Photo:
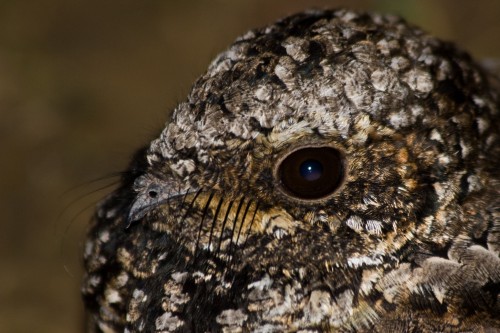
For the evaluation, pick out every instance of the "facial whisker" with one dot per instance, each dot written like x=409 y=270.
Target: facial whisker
x=235 y=222
x=188 y=208
x=223 y=227
x=92 y=181
x=81 y=197
x=247 y=208
x=251 y=224
x=214 y=221
x=66 y=231
x=205 y=211
x=249 y=227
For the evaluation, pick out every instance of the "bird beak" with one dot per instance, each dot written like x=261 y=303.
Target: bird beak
x=152 y=192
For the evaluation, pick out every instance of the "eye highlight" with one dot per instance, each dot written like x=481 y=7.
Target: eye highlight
x=311 y=173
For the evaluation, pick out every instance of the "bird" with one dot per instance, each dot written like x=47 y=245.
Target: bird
x=334 y=171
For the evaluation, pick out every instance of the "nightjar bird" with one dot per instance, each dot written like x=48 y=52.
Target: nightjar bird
x=336 y=171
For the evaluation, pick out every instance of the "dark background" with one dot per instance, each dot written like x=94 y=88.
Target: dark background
x=84 y=83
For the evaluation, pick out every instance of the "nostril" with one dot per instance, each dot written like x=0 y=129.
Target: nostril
x=153 y=194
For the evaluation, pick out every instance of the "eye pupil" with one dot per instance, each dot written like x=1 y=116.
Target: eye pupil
x=311 y=173
x=311 y=170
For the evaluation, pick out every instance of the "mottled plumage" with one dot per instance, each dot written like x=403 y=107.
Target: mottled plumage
x=209 y=231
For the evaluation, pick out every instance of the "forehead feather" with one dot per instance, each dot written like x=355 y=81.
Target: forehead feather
x=323 y=71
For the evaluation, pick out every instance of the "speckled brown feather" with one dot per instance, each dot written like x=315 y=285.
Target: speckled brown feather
x=201 y=237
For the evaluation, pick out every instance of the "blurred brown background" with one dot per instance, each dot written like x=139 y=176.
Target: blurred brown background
x=84 y=83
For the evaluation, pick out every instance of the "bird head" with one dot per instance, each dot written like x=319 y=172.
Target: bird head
x=325 y=140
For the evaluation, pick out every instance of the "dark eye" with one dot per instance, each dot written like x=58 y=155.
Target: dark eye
x=311 y=173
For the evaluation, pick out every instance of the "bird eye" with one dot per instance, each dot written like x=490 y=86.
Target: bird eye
x=311 y=173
